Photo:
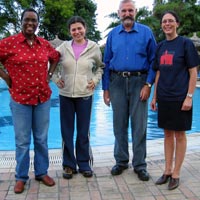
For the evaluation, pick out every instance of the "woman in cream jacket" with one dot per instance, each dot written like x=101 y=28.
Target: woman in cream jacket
x=81 y=70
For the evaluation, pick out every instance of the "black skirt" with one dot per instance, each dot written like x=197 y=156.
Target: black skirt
x=171 y=117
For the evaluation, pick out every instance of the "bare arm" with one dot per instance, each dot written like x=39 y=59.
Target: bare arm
x=5 y=77
x=106 y=97
x=154 y=99
x=187 y=104
x=52 y=68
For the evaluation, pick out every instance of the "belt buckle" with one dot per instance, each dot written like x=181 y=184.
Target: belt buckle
x=126 y=74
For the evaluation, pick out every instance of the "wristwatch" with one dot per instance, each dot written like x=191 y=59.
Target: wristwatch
x=50 y=74
x=189 y=95
x=148 y=84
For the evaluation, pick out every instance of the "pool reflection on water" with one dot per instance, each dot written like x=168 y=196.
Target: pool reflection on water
x=101 y=121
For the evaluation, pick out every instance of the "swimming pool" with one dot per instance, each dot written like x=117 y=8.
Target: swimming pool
x=101 y=122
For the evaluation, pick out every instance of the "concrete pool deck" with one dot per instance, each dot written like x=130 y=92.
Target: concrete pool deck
x=104 y=186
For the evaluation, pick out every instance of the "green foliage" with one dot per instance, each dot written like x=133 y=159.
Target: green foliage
x=10 y=13
x=53 y=17
x=87 y=9
x=115 y=20
x=189 y=14
x=188 y=11
x=1 y=66
x=141 y=16
x=9 y=17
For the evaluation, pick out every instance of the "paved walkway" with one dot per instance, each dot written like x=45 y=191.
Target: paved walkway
x=103 y=186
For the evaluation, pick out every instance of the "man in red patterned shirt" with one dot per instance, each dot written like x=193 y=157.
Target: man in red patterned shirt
x=25 y=57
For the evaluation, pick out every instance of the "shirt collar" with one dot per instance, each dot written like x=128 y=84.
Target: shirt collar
x=22 y=38
x=133 y=29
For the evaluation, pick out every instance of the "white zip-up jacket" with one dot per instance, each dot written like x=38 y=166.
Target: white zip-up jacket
x=77 y=73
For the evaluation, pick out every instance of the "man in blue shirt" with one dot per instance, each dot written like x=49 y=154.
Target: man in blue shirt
x=127 y=80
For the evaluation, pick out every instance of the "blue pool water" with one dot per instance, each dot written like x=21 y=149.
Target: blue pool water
x=101 y=122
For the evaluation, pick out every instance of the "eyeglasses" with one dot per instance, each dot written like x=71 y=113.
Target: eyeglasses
x=170 y=21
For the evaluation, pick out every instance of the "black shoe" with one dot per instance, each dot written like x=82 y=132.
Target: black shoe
x=163 y=179
x=173 y=183
x=142 y=174
x=87 y=174
x=118 y=169
x=68 y=172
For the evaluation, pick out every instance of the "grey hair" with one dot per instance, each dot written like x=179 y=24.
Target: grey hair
x=126 y=1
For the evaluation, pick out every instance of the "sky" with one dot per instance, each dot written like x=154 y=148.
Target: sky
x=105 y=7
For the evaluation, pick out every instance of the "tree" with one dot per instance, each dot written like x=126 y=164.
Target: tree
x=10 y=12
x=189 y=14
x=87 y=9
x=53 y=17
x=143 y=16
x=188 y=11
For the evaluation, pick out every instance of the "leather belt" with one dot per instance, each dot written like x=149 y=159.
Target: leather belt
x=126 y=74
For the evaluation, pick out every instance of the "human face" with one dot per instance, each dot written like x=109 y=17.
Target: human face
x=169 y=26
x=78 y=31
x=29 y=24
x=126 y=13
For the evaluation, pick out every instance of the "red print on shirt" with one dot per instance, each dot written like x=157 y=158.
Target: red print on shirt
x=166 y=58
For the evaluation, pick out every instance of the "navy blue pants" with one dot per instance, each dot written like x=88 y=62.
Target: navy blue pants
x=75 y=111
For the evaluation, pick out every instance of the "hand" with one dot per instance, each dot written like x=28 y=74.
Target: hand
x=8 y=81
x=187 y=104
x=153 y=104
x=60 y=83
x=145 y=93
x=91 y=85
x=106 y=97
x=5 y=76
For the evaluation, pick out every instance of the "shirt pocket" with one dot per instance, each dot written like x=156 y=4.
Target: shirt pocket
x=81 y=82
x=68 y=83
